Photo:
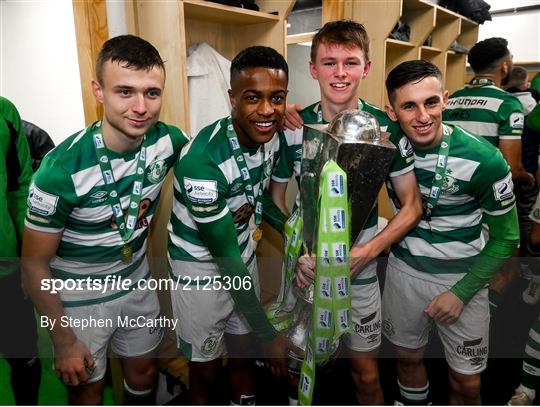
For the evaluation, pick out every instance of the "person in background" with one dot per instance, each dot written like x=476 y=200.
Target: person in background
x=18 y=342
x=39 y=141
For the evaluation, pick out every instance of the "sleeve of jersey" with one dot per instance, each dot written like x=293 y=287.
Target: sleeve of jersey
x=16 y=198
x=179 y=139
x=206 y=202
x=513 y=120
x=51 y=198
x=493 y=182
x=403 y=161
x=503 y=240
x=290 y=155
x=271 y=213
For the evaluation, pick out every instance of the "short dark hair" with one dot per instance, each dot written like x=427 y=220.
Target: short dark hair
x=518 y=77
x=342 y=32
x=486 y=55
x=133 y=51
x=258 y=57
x=410 y=71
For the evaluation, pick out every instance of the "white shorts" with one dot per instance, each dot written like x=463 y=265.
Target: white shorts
x=124 y=325
x=405 y=323
x=366 y=313
x=204 y=315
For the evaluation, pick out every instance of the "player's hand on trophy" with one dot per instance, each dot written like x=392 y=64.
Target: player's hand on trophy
x=276 y=353
x=73 y=362
x=293 y=120
x=305 y=270
x=359 y=256
x=445 y=307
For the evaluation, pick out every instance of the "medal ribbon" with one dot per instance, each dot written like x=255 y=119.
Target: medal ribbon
x=255 y=202
x=440 y=171
x=126 y=227
x=481 y=82
x=320 y=119
x=331 y=313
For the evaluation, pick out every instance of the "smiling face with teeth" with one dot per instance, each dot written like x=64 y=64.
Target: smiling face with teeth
x=258 y=97
x=418 y=106
x=339 y=68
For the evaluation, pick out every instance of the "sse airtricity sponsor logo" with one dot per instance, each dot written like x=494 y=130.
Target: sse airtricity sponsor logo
x=503 y=189
x=325 y=288
x=336 y=185
x=342 y=287
x=339 y=252
x=201 y=191
x=41 y=202
x=337 y=216
x=324 y=318
x=325 y=254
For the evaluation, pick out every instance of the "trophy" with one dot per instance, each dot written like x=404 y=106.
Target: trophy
x=354 y=140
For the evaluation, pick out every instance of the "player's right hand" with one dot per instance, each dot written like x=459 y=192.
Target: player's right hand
x=73 y=363
x=293 y=120
x=305 y=270
x=276 y=353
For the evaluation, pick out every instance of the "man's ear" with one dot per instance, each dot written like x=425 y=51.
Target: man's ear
x=390 y=112
x=367 y=68
x=232 y=99
x=313 y=70
x=97 y=90
x=445 y=99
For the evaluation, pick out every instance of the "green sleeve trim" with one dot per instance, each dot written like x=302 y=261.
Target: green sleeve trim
x=271 y=213
x=503 y=240
x=222 y=242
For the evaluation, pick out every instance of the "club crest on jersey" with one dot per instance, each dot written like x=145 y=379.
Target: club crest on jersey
x=449 y=185
x=338 y=219
x=201 y=191
x=336 y=184
x=209 y=345
x=41 y=202
x=157 y=171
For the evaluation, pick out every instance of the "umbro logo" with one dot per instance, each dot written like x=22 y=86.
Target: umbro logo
x=99 y=194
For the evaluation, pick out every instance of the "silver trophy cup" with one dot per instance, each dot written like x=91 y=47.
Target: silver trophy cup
x=354 y=140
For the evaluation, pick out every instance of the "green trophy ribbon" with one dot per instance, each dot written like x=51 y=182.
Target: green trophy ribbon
x=331 y=314
x=293 y=245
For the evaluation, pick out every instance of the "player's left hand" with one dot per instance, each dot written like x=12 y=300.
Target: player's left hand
x=359 y=256
x=445 y=307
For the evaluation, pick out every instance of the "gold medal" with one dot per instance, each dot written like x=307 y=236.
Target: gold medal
x=127 y=253
x=257 y=234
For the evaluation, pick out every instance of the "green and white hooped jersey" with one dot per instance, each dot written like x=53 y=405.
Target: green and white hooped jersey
x=68 y=195
x=477 y=181
x=487 y=111
x=403 y=160
x=208 y=186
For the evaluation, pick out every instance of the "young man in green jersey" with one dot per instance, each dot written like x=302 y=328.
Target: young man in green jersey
x=437 y=274
x=89 y=208
x=215 y=224
x=339 y=62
